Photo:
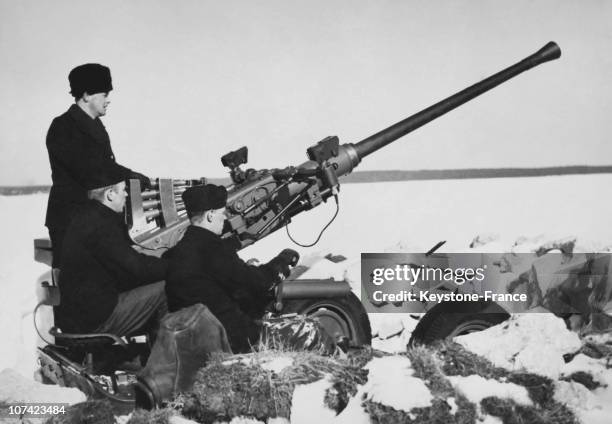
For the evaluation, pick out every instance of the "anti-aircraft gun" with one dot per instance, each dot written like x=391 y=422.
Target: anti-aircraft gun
x=263 y=201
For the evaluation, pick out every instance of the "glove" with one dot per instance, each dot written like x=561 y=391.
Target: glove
x=290 y=256
x=282 y=263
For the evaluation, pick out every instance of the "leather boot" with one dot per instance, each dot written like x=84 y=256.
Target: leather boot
x=185 y=340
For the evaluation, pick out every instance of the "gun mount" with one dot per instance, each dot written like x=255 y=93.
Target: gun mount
x=262 y=201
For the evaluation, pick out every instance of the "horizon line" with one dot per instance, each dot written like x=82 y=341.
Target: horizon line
x=400 y=175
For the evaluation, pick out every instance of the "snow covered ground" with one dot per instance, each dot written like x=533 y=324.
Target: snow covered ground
x=375 y=217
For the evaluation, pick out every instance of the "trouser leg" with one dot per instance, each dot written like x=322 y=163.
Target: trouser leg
x=135 y=309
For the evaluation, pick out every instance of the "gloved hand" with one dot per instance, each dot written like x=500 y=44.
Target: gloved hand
x=290 y=256
x=282 y=263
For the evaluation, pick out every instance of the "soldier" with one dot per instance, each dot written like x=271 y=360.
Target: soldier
x=206 y=269
x=106 y=286
x=78 y=143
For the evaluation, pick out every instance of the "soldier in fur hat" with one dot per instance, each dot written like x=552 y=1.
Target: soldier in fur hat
x=78 y=145
x=204 y=268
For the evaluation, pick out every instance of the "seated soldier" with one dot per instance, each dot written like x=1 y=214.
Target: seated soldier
x=206 y=269
x=105 y=285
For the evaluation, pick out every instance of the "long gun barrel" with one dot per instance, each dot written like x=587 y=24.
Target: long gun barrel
x=262 y=201
x=371 y=144
x=358 y=151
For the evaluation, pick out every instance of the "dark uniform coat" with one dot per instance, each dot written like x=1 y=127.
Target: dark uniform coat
x=206 y=269
x=77 y=145
x=98 y=264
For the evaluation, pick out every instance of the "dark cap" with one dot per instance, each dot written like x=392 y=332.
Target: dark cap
x=91 y=78
x=204 y=198
x=108 y=175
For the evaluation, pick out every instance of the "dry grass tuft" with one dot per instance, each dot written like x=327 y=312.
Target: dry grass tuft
x=89 y=412
x=438 y=413
x=156 y=416
x=511 y=413
x=245 y=388
x=583 y=378
x=428 y=367
x=541 y=389
x=459 y=361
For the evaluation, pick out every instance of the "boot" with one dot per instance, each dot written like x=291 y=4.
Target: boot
x=185 y=341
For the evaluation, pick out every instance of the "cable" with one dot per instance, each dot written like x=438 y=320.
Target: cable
x=36 y=326
x=324 y=228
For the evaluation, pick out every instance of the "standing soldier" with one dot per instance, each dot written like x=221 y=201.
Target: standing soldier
x=78 y=144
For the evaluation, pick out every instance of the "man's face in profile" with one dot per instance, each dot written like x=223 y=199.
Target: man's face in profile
x=117 y=197
x=98 y=103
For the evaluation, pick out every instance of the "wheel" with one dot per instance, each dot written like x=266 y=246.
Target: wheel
x=451 y=319
x=340 y=316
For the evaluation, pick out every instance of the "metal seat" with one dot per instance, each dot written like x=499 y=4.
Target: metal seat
x=82 y=344
x=85 y=340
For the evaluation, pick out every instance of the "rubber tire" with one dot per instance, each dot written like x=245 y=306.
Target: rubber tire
x=346 y=314
x=451 y=319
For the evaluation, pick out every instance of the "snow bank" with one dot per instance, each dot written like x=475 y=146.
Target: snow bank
x=591 y=406
x=22 y=219
x=533 y=342
x=277 y=364
x=416 y=215
x=390 y=373
x=391 y=332
x=475 y=388
x=14 y=388
x=307 y=404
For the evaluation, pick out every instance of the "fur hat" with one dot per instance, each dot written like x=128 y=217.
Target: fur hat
x=203 y=198
x=91 y=78
x=109 y=175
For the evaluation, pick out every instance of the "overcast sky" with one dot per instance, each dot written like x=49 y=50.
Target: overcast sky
x=195 y=79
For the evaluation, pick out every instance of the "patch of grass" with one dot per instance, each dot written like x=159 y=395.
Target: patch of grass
x=446 y=358
x=541 y=389
x=344 y=386
x=456 y=360
x=512 y=413
x=459 y=361
x=438 y=413
x=427 y=367
x=223 y=391
x=583 y=378
x=466 y=410
x=384 y=414
x=597 y=350
x=89 y=412
x=156 y=416
x=361 y=356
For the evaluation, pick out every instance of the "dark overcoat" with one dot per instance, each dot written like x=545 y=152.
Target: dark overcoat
x=206 y=269
x=77 y=145
x=99 y=263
